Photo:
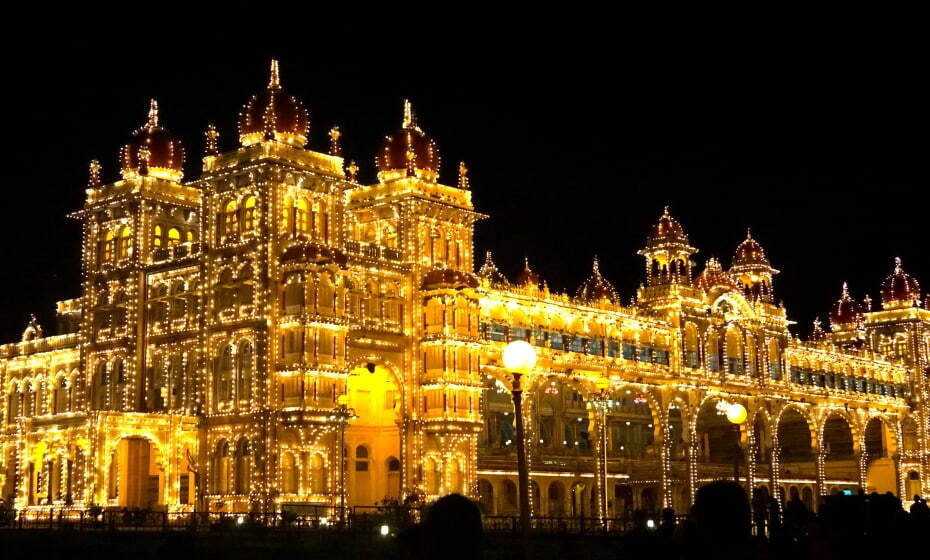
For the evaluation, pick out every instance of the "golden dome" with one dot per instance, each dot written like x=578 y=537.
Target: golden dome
x=491 y=273
x=713 y=276
x=750 y=252
x=527 y=277
x=597 y=288
x=409 y=152
x=846 y=311
x=273 y=114
x=667 y=230
x=900 y=289
x=153 y=151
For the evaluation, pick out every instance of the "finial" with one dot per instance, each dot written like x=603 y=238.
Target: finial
x=274 y=80
x=94 y=179
x=748 y=233
x=211 y=147
x=463 y=175
x=335 y=148
x=144 y=154
x=845 y=290
x=596 y=268
x=897 y=264
x=526 y=264
x=488 y=259
x=153 y=114
x=409 y=118
x=868 y=302
x=352 y=172
x=665 y=211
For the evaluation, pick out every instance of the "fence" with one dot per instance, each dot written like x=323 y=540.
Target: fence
x=320 y=518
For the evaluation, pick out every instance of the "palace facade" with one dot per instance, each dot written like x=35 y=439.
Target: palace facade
x=276 y=335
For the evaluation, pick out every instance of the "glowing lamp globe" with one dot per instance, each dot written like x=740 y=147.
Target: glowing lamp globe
x=342 y=400
x=519 y=357
x=736 y=413
x=602 y=384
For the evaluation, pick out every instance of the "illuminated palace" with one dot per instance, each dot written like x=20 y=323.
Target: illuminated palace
x=236 y=334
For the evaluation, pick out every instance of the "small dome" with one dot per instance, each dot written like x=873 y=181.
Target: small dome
x=153 y=151
x=597 y=288
x=527 y=277
x=409 y=152
x=750 y=252
x=713 y=276
x=273 y=114
x=667 y=230
x=900 y=289
x=491 y=273
x=313 y=253
x=439 y=278
x=846 y=311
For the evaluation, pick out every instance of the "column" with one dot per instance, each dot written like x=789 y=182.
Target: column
x=775 y=469
x=692 y=466
x=599 y=411
x=665 y=464
x=820 y=457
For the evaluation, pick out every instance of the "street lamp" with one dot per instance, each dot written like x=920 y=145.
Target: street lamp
x=343 y=415
x=520 y=358
x=736 y=414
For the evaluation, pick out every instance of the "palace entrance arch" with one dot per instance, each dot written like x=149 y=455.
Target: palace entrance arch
x=135 y=476
x=372 y=439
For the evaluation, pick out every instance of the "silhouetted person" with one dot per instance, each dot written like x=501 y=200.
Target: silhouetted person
x=451 y=530
x=920 y=513
x=722 y=525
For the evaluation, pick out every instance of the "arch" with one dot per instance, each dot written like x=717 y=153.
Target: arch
x=392 y=468
x=561 y=417
x=880 y=445
x=794 y=433
x=691 y=345
x=509 y=497
x=221 y=466
x=243 y=466
x=248 y=214
x=318 y=475
x=289 y=473
x=555 y=497
x=734 y=350
x=230 y=219
x=718 y=439
x=432 y=476
x=136 y=476
x=486 y=496
x=631 y=424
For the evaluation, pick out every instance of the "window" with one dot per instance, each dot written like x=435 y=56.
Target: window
x=248 y=217
x=156 y=236
x=302 y=216
x=124 y=249
x=109 y=246
x=231 y=219
x=361 y=458
x=174 y=237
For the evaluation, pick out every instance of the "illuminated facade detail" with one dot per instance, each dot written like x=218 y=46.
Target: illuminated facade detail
x=227 y=326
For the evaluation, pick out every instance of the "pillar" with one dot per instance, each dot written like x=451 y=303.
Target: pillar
x=820 y=457
x=599 y=411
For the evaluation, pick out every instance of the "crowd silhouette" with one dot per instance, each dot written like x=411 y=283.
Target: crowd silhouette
x=722 y=524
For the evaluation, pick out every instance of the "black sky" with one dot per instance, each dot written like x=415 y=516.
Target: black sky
x=577 y=132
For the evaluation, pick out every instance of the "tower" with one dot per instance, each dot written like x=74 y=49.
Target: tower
x=751 y=269
x=667 y=253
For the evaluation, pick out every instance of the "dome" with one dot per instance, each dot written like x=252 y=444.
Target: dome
x=409 y=152
x=667 y=230
x=273 y=114
x=491 y=273
x=597 y=288
x=750 y=252
x=313 y=253
x=153 y=151
x=846 y=311
x=447 y=278
x=527 y=277
x=713 y=276
x=900 y=289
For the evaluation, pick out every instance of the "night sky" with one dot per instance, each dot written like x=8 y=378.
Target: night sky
x=576 y=133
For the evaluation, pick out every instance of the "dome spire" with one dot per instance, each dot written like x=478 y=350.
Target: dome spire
x=94 y=180
x=410 y=119
x=274 y=78
x=897 y=265
x=153 y=115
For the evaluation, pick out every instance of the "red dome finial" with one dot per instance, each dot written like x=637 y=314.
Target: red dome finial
x=154 y=150
x=153 y=114
x=273 y=114
x=409 y=152
x=900 y=289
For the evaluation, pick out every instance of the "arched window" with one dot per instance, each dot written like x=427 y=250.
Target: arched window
x=287 y=213
x=302 y=216
x=317 y=474
x=288 y=474
x=244 y=372
x=361 y=458
x=231 y=219
x=156 y=236
x=221 y=466
x=734 y=351
x=109 y=246
x=223 y=378
x=61 y=395
x=125 y=242
x=174 y=237
x=248 y=216
x=243 y=466
x=245 y=289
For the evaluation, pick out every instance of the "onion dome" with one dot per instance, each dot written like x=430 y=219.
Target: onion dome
x=713 y=276
x=846 y=311
x=152 y=150
x=750 y=252
x=597 y=288
x=273 y=114
x=667 y=230
x=491 y=273
x=409 y=152
x=527 y=277
x=440 y=278
x=900 y=289
x=307 y=252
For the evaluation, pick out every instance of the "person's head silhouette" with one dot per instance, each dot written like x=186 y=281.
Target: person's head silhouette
x=452 y=529
x=721 y=513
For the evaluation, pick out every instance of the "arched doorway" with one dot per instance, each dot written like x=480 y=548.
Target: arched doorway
x=838 y=449
x=373 y=436
x=879 y=449
x=556 y=499
x=486 y=496
x=137 y=483
x=796 y=455
x=913 y=485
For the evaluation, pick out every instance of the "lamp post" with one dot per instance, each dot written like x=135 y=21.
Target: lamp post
x=736 y=414
x=520 y=358
x=343 y=415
